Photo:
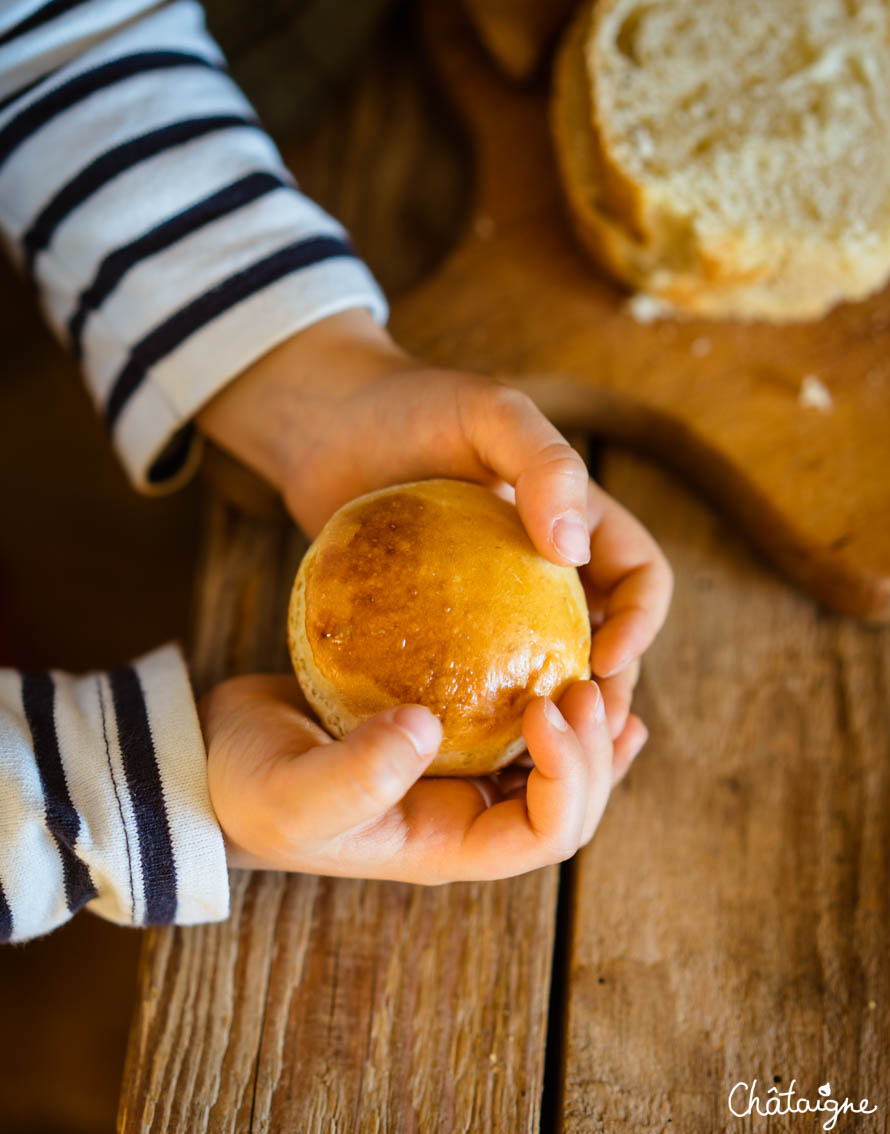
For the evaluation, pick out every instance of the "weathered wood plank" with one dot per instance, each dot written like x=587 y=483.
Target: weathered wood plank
x=331 y=1005
x=732 y=912
x=416 y=1009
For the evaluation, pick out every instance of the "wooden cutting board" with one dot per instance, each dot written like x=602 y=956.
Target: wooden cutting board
x=719 y=401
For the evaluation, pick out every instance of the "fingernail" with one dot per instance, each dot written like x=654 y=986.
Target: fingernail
x=555 y=717
x=421 y=728
x=599 y=709
x=625 y=661
x=642 y=743
x=571 y=538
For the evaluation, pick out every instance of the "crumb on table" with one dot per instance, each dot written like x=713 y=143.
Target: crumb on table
x=814 y=394
x=645 y=308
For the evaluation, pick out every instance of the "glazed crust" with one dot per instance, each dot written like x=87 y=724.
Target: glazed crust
x=431 y=593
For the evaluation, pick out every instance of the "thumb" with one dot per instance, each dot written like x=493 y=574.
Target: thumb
x=514 y=439
x=352 y=781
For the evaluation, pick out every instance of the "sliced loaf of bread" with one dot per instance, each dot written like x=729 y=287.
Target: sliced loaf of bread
x=732 y=160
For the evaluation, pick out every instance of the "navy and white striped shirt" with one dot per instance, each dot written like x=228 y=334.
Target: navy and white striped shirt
x=171 y=249
x=104 y=800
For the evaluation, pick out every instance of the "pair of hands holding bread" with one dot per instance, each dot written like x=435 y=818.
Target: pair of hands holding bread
x=337 y=411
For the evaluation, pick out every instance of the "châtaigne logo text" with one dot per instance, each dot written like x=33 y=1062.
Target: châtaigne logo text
x=745 y=1099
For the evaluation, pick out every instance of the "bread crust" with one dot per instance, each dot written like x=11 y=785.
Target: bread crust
x=624 y=196
x=431 y=593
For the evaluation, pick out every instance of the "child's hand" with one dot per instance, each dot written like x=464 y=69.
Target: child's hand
x=339 y=410
x=289 y=798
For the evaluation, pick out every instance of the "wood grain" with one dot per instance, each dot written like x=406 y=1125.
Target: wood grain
x=717 y=400
x=324 y=1004
x=731 y=914
x=517 y=33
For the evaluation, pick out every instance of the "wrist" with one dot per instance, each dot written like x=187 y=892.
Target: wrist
x=266 y=415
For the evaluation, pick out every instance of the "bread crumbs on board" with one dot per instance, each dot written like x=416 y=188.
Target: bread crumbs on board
x=814 y=394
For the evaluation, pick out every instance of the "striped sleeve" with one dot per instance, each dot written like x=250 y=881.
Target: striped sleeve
x=168 y=242
x=104 y=801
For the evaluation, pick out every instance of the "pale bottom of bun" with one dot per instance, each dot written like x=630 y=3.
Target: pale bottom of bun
x=475 y=763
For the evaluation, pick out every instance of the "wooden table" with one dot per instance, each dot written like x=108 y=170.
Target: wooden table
x=729 y=922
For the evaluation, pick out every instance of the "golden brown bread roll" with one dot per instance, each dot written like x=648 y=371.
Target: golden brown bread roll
x=431 y=593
